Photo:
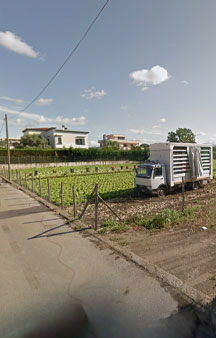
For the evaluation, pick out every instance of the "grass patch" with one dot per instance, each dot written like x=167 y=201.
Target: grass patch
x=114 y=226
x=125 y=243
x=213 y=277
x=114 y=239
x=78 y=227
x=153 y=222
x=165 y=218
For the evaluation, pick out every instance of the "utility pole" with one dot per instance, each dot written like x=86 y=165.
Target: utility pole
x=8 y=148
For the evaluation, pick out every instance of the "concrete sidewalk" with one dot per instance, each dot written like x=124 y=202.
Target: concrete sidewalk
x=41 y=274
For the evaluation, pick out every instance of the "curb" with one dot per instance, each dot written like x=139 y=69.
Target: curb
x=197 y=297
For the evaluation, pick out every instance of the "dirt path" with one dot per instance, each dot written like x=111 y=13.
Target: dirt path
x=184 y=250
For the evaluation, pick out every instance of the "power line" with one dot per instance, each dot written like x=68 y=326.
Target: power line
x=66 y=60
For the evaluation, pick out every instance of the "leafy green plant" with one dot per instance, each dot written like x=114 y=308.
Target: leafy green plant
x=114 y=226
x=111 y=184
x=164 y=218
x=213 y=277
x=124 y=243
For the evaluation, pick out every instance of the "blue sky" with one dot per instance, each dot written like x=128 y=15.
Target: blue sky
x=146 y=67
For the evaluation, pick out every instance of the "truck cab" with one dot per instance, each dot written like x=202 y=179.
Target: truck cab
x=151 y=178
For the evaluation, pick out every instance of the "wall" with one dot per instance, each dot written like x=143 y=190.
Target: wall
x=68 y=140
x=61 y=164
x=31 y=132
x=49 y=133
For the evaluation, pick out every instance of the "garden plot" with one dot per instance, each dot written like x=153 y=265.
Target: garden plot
x=113 y=182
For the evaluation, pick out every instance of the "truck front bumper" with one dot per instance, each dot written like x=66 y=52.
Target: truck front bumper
x=145 y=189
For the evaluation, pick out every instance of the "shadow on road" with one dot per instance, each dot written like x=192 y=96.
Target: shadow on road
x=19 y=212
x=76 y=321
x=47 y=233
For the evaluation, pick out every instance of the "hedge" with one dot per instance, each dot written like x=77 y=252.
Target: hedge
x=32 y=155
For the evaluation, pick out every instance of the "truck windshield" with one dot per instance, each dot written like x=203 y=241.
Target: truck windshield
x=144 y=171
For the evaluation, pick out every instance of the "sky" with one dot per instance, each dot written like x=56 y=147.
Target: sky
x=147 y=67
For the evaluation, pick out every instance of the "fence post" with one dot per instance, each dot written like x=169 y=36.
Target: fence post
x=183 y=195
x=40 y=186
x=74 y=201
x=32 y=183
x=62 y=195
x=17 y=180
x=96 y=207
x=20 y=178
x=26 y=181
x=48 y=186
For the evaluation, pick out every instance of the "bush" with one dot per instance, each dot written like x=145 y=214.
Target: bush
x=114 y=226
x=32 y=155
x=164 y=218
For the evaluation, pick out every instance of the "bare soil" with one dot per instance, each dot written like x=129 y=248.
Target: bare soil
x=185 y=250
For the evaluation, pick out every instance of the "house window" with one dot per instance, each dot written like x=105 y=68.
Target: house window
x=120 y=138
x=125 y=145
x=59 y=140
x=80 y=141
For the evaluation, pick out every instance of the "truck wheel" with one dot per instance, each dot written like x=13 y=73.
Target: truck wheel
x=201 y=184
x=195 y=185
x=161 y=191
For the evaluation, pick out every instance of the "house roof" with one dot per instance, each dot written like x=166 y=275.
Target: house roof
x=39 y=129
x=57 y=130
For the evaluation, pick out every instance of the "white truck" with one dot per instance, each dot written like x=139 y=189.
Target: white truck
x=171 y=163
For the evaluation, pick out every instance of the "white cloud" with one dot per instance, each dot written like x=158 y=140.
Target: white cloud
x=162 y=120
x=143 y=89
x=93 y=94
x=185 y=82
x=201 y=133
x=153 y=76
x=211 y=141
x=94 y=143
x=6 y=98
x=13 y=42
x=147 y=131
x=156 y=126
x=74 y=121
x=44 y=102
x=124 y=107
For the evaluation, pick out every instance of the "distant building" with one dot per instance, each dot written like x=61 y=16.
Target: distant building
x=61 y=138
x=12 y=140
x=120 y=139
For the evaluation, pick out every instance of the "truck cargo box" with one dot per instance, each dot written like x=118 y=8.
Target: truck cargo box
x=188 y=160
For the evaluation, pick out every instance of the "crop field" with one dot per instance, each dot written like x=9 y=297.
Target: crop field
x=65 y=171
x=113 y=182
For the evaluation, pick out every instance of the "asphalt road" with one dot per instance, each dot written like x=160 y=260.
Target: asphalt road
x=41 y=277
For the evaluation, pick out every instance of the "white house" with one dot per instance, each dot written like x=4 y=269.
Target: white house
x=61 y=138
x=120 y=139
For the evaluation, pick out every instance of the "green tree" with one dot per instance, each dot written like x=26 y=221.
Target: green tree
x=144 y=146
x=111 y=144
x=183 y=135
x=33 y=141
x=3 y=143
